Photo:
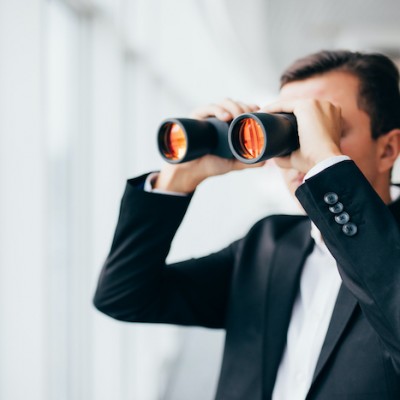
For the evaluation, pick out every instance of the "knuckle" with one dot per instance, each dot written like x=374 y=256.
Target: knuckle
x=310 y=103
x=218 y=108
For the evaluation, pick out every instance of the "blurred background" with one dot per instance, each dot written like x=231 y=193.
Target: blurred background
x=83 y=87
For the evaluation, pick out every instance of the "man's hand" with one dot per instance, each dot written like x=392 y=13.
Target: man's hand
x=185 y=177
x=319 y=128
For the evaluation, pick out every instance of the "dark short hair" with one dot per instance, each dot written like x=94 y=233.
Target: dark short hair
x=379 y=94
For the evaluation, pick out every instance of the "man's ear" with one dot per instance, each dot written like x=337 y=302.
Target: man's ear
x=389 y=149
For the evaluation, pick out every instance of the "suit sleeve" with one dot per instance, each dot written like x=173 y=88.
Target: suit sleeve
x=136 y=285
x=368 y=254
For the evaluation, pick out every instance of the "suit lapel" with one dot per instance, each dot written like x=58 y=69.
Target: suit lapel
x=344 y=308
x=257 y=322
x=283 y=283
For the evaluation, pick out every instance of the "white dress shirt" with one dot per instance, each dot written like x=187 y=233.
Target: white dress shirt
x=319 y=286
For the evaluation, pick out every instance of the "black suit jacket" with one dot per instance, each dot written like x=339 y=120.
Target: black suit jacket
x=249 y=287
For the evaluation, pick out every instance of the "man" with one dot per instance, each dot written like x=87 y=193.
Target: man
x=307 y=315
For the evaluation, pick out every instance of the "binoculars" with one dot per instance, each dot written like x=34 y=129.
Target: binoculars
x=250 y=137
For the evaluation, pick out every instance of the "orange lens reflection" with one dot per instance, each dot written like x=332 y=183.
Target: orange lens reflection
x=250 y=138
x=174 y=143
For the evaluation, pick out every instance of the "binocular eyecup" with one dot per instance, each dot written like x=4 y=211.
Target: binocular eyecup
x=250 y=138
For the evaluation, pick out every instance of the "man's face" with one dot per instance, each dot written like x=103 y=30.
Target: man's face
x=341 y=89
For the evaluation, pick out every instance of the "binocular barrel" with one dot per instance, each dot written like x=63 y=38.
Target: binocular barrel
x=185 y=139
x=250 y=138
x=255 y=137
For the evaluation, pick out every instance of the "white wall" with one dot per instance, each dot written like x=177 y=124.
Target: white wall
x=83 y=87
x=22 y=202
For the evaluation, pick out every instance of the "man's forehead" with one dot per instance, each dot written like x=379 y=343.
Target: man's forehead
x=335 y=86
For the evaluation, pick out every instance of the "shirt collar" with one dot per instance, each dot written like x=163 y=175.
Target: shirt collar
x=394 y=192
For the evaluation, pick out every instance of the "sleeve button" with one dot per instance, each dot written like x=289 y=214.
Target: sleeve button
x=336 y=208
x=342 y=218
x=331 y=198
x=349 y=229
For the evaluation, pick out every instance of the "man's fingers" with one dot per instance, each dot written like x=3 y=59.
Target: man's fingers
x=234 y=107
x=248 y=108
x=227 y=110
x=254 y=107
x=212 y=110
x=279 y=106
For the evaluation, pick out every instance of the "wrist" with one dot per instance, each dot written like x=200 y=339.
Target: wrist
x=324 y=164
x=173 y=179
x=324 y=155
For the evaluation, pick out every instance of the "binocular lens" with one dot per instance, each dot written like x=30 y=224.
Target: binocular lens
x=174 y=144
x=250 y=138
